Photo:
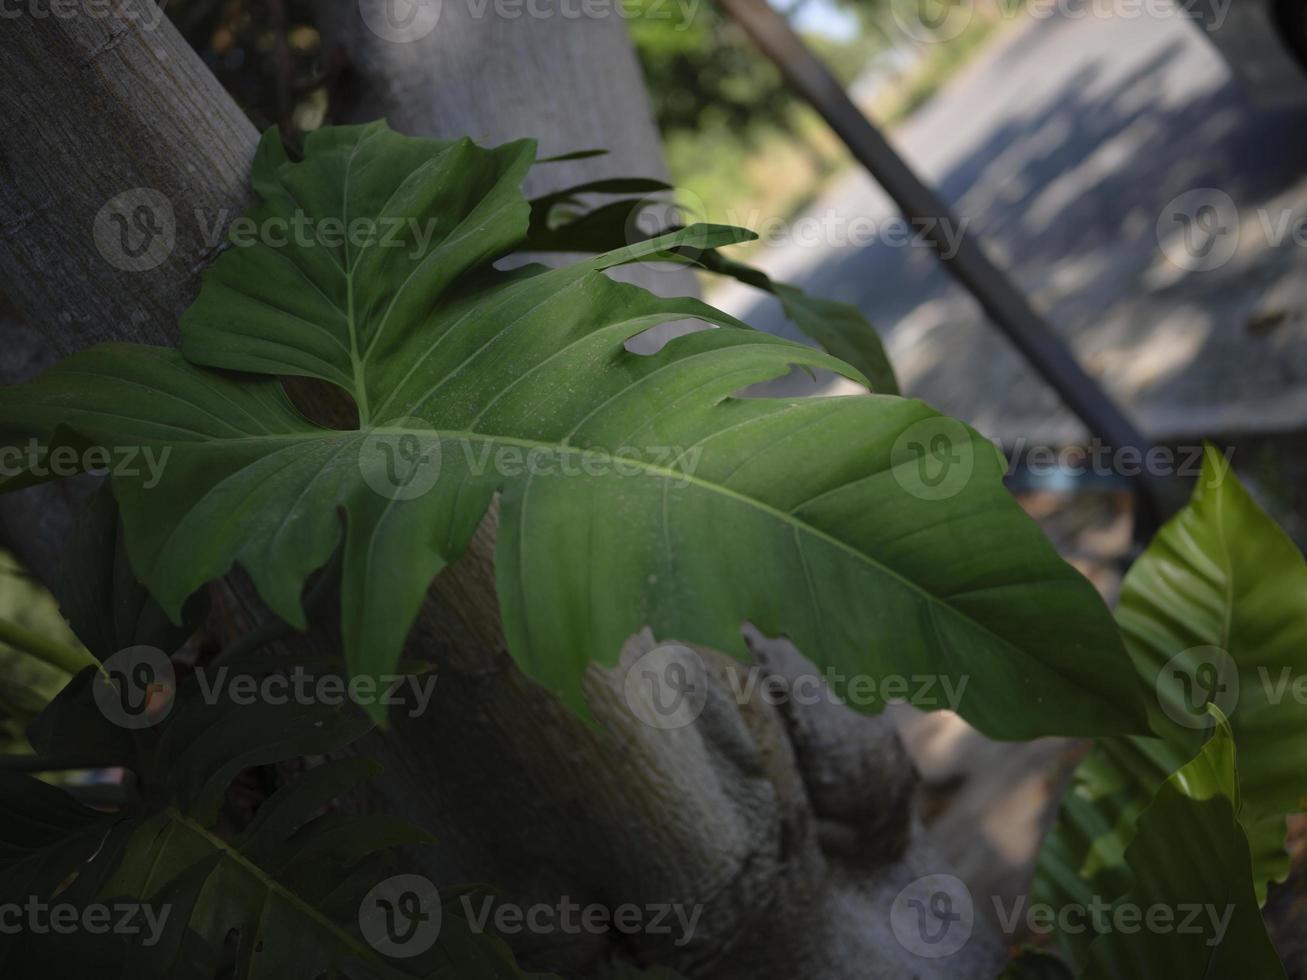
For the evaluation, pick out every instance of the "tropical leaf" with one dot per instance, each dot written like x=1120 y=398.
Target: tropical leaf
x=1192 y=910
x=27 y=683
x=1215 y=609
x=560 y=223
x=100 y=596
x=839 y=328
x=283 y=897
x=633 y=490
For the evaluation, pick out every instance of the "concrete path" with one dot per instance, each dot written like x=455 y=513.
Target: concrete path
x=1083 y=151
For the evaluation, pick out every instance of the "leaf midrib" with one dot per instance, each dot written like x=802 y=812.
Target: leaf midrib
x=660 y=472
x=270 y=884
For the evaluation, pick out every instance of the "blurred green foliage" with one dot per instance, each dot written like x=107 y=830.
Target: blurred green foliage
x=26 y=684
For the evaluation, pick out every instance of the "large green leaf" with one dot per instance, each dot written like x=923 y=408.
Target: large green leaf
x=282 y=898
x=561 y=223
x=99 y=593
x=1190 y=860
x=634 y=490
x=839 y=328
x=1217 y=605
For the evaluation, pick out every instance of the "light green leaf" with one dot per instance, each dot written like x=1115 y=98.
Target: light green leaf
x=1215 y=609
x=1189 y=855
x=633 y=490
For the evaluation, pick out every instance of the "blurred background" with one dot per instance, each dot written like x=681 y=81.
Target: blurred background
x=1137 y=167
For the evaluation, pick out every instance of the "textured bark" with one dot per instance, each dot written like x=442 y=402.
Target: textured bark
x=789 y=826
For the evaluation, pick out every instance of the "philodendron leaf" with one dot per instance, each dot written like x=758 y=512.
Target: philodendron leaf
x=99 y=593
x=295 y=894
x=839 y=328
x=1191 y=911
x=633 y=490
x=1214 y=610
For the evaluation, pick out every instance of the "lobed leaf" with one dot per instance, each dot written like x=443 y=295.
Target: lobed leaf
x=633 y=490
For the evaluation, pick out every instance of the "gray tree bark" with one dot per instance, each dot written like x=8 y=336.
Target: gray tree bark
x=790 y=827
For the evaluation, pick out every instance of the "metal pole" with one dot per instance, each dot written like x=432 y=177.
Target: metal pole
x=1001 y=300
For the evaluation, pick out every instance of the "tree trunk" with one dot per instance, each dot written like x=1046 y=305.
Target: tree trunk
x=789 y=826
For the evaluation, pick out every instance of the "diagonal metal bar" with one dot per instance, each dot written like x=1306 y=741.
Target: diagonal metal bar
x=1001 y=300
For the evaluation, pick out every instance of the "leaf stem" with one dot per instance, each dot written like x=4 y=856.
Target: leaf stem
x=43 y=648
